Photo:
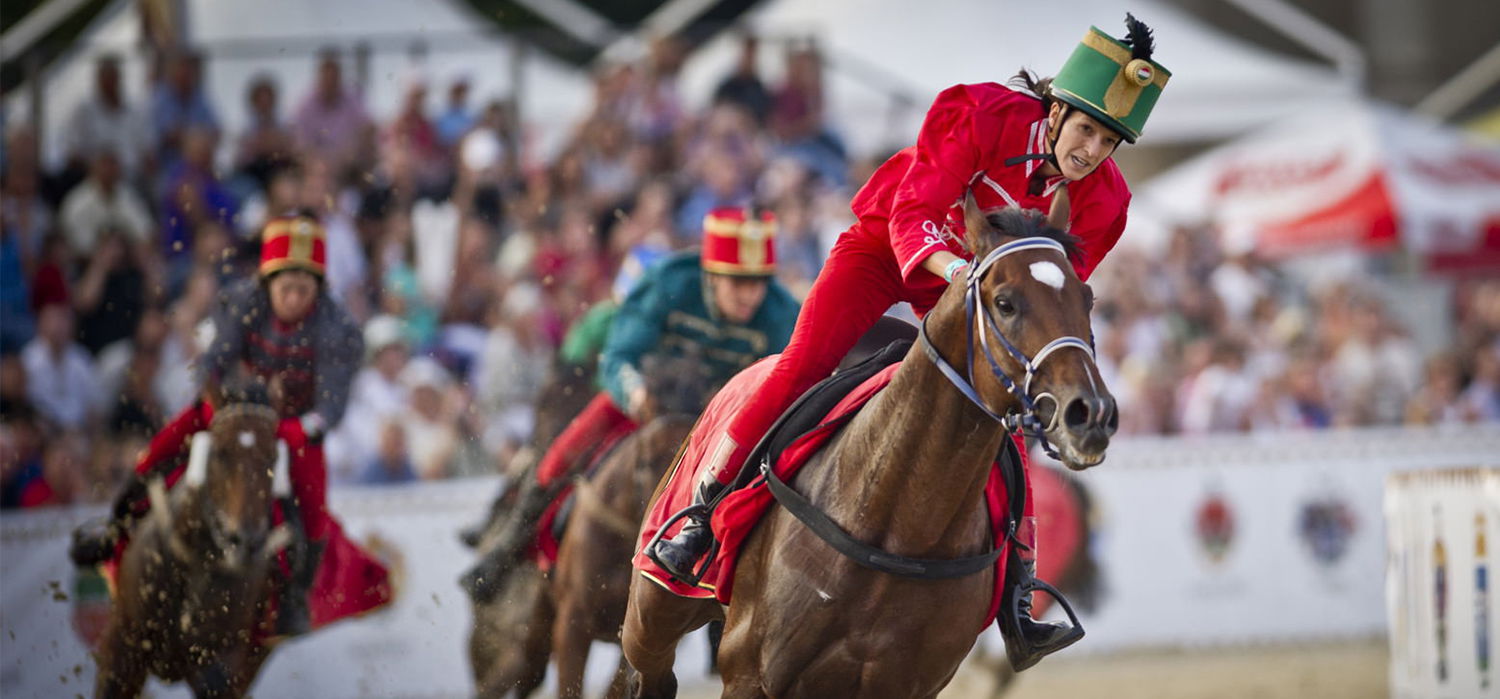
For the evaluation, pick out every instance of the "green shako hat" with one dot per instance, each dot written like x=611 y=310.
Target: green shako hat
x=1113 y=81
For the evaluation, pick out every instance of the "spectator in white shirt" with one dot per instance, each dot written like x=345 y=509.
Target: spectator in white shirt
x=105 y=122
x=377 y=397
x=59 y=375
x=104 y=202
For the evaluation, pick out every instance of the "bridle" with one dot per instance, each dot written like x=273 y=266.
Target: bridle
x=1024 y=419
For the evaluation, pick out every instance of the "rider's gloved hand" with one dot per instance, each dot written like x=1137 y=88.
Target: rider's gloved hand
x=290 y=430
x=314 y=427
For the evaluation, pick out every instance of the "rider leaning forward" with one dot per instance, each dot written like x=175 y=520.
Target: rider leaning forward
x=720 y=304
x=284 y=328
x=1041 y=144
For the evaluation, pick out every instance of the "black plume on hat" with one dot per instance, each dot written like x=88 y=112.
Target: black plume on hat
x=1138 y=37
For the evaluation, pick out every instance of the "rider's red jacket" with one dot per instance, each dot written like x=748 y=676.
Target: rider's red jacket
x=914 y=202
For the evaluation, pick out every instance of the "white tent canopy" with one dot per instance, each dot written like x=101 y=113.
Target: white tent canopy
x=1220 y=87
x=1351 y=175
x=244 y=40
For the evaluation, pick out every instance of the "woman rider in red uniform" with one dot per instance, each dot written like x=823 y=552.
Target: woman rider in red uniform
x=1048 y=147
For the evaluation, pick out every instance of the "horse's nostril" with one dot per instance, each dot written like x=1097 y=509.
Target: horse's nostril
x=1113 y=422
x=1077 y=414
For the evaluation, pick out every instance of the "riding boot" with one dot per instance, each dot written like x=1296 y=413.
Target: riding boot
x=94 y=542
x=487 y=576
x=293 y=617
x=1027 y=641
x=680 y=554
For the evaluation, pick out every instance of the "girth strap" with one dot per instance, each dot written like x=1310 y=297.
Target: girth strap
x=869 y=556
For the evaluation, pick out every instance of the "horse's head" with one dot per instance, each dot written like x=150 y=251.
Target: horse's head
x=1030 y=342
x=231 y=469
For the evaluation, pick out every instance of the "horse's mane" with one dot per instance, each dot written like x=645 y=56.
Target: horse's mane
x=1009 y=223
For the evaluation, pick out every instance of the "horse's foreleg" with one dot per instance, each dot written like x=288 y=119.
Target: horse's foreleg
x=570 y=648
x=617 y=686
x=655 y=621
x=121 y=673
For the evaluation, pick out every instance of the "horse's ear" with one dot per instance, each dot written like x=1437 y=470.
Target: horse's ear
x=976 y=224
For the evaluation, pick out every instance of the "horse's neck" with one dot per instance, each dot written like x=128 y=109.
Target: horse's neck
x=912 y=465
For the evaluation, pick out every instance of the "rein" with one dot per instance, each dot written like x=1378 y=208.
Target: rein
x=1025 y=419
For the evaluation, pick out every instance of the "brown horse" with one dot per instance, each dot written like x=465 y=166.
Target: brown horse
x=195 y=580
x=536 y=615
x=905 y=475
x=591 y=581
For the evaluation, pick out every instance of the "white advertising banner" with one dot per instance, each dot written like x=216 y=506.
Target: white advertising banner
x=1252 y=538
x=1443 y=527
x=1224 y=540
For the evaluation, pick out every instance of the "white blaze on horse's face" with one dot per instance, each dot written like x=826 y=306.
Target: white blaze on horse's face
x=1048 y=273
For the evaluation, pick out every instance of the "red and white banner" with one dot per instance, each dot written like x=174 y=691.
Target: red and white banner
x=1359 y=175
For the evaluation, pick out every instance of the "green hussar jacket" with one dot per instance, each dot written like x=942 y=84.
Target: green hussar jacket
x=669 y=313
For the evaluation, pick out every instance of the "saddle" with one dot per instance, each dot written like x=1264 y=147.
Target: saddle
x=809 y=410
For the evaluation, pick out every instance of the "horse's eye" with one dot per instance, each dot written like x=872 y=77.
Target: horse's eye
x=1004 y=305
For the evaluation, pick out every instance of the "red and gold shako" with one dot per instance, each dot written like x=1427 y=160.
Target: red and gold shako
x=292 y=242
x=739 y=243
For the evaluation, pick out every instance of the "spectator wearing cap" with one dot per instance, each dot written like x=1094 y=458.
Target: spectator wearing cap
x=378 y=395
x=430 y=418
x=511 y=368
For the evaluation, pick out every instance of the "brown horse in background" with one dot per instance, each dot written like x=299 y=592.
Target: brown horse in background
x=539 y=616
x=906 y=475
x=196 y=578
x=591 y=581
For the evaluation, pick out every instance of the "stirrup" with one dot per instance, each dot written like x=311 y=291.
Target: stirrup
x=1023 y=658
x=696 y=574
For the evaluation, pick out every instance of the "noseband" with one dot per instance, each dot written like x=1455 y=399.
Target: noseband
x=1025 y=419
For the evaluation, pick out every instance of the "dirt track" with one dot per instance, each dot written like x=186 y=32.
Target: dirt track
x=1332 y=671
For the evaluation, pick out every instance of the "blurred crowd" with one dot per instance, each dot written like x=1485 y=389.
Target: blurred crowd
x=1210 y=338
x=466 y=257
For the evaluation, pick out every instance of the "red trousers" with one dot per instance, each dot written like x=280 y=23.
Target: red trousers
x=584 y=435
x=309 y=472
x=859 y=282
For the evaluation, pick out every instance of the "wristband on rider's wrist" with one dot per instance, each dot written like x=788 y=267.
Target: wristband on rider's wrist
x=953 y=267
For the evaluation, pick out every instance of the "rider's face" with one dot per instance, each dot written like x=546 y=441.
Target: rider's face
x=738 y=297
x=1082 y=143
x=292 y=295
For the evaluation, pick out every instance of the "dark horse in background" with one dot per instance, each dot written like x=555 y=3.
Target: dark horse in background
x=569 y=388
x=196 y=579
x=906 y=475
x=540 y=616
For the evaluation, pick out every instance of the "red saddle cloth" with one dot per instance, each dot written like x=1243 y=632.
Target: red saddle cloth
x=736 y=516
x=349 y=582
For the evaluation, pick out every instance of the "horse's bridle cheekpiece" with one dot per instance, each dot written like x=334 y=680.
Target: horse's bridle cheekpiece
x=1024 y=419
